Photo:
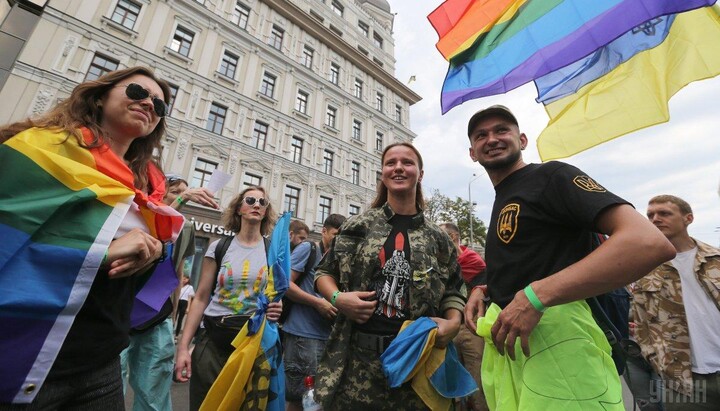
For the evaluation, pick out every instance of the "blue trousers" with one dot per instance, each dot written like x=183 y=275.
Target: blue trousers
x=149 y=362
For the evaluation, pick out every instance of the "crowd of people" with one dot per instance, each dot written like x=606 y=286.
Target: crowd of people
x=93 y=220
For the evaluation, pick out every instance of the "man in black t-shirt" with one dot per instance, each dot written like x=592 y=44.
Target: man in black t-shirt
x=539 y=255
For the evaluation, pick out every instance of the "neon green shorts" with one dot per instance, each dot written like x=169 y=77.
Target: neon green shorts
x=569 y=368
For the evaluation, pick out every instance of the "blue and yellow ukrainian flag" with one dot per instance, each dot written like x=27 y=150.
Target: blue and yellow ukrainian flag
x=254 y=375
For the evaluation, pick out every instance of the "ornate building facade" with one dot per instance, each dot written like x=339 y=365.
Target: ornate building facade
x=298 y=96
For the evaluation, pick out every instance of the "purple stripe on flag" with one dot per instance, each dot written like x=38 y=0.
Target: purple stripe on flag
x=596 y=33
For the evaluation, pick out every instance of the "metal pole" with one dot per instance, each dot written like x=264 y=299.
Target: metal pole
x=470 y=207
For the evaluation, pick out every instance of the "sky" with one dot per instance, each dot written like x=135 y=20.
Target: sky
x=680 y=157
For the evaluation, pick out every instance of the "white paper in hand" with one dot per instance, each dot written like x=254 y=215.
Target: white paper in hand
x=218 y=179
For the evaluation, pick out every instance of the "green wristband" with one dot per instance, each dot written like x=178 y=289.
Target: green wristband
x=105 y=257
x=334 y=297
x=534 y=300
x=180 y=200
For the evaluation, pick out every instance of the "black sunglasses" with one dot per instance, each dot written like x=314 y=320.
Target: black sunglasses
x=249 y=200
x=137 y=92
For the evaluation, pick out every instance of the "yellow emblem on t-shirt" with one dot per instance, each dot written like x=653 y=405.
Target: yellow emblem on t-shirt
x=508 y=222
x=588 y=184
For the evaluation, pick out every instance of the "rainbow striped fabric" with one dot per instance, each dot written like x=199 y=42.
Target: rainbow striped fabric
x=254 y=375
x=60 y=206
x=494 y=46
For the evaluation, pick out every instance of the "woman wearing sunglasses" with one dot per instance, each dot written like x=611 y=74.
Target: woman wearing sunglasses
x=227 y=293
x=83 y=221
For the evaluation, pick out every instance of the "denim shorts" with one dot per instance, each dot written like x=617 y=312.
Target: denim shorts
x=301 y=358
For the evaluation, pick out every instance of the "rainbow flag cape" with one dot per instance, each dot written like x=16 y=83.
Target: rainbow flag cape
x=254 y=375
x=436 y=373
x=60 y=206
x=626 y=85
x=494 y=46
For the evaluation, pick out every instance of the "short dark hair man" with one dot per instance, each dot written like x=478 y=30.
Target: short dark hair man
x=299 y=232
x=308 y=325
x=539 y=255
x=676 y=309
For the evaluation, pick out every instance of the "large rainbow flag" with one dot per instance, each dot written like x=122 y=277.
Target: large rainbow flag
x=253 y=377
x=603 y=68
x=495 y=46
x=60 y=206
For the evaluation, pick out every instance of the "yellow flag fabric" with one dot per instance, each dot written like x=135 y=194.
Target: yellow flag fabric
x=235 y=374
x=636 y=93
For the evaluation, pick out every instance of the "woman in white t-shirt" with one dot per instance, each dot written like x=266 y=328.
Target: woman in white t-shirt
x=227 y=299
x=187 y=292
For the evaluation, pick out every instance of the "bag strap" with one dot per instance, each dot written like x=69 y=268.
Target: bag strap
x=220 y=252
x=310 y=263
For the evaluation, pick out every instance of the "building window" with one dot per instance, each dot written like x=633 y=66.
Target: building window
x=355 y=172
x=378 y=176
x=324 y=207
x=353 y=210
x=337 y=7
x=358 y=88
x=99 y=66
x=241 y=15
x=252 y=180
x=363 y=50
x=357 y=130
x=364 y=28
x=267 y=87
x=379 y=98
x=328 y=162
x=126 y=13
x=276 y=37
x=331 y=117
x=292 y=199
x=379 y=145
x=377 y=40
x=173 y=95
x=301 y=101
x=259 y=135
x=334 y=73
x=377 y=61
x=228 y=65
x=216 y=118
x=398 y=113
x=297 y=147
x=203 y=171
x=307 y=56
x=182 y=40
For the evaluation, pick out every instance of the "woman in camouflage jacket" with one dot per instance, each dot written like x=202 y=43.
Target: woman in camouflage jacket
x=387 y=265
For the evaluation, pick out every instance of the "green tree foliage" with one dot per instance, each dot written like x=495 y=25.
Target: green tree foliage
x=440 y=209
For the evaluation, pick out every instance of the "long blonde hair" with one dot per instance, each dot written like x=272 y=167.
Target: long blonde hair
x=81 y=109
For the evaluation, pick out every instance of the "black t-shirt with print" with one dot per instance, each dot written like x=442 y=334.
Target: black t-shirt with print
x=391 y=282
x=542 y=221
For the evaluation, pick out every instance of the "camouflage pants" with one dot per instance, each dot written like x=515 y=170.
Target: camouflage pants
x=364 y=387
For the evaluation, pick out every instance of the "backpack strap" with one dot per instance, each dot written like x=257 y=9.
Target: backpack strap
x=220 y=252
x=310 y=263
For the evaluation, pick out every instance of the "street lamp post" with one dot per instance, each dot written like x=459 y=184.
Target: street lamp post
x=470 y=209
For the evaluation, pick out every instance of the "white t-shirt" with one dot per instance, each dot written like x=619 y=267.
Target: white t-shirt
x=187 y=292
x=702 y=314
x=243 y=276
